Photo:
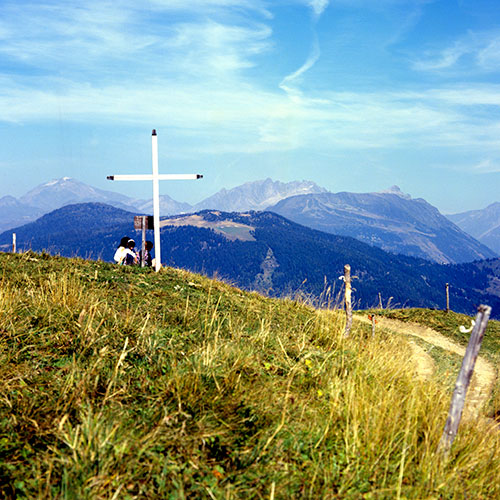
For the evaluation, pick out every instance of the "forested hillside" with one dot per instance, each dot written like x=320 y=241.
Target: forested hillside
x=285 y=259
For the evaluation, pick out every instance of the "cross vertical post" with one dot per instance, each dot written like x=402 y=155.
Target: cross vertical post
x=156 y=178
x=156 y=200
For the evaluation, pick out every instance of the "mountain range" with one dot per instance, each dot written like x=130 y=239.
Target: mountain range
x=390 y=220
x=57 y=193
x=484 y=225
x=265 y=252
x=257 y=195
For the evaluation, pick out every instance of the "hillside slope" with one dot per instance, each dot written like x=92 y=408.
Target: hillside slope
x=263 y=251
x=120 y=382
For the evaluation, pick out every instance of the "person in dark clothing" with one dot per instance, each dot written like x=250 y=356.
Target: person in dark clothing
x=131 y=257
x=146 y=257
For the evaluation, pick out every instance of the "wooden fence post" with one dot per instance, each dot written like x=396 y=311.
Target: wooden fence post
x=143 y=246
x=447 y=297
x=373 y=325
x=14 y=243
x=379 y=300
x=463 y=380
x=348 y=299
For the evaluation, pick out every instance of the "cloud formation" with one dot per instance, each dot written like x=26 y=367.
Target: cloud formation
x=488 y=166
x=478 y=52
x=318 y=6
x=118 y=63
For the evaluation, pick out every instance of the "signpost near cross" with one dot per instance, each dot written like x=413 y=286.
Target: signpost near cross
x=156 y=178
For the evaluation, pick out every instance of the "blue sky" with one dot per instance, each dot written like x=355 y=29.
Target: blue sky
x=356 y=95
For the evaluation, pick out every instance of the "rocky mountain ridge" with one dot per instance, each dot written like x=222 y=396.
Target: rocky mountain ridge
x=390 y=220
x=57 y=193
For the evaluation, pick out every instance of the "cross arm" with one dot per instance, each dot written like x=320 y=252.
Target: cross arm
x=149 y=177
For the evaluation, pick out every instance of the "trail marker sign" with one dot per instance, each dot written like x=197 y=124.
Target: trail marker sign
x=144 y=222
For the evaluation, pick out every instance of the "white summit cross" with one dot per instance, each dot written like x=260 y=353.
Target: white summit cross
x=155 y=177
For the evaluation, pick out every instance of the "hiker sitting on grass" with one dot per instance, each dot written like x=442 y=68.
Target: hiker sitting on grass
x=125 y=254
x=146 y=256
x=120 y=251
x=131 y=258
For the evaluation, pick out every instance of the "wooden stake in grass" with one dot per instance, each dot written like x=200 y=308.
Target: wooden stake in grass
x=13 y=242
x=348 y=299
x=463 y=380
x=447 y=297
x=379 y=300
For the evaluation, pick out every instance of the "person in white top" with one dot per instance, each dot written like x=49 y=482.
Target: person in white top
x=121 y=251
x=125 y=254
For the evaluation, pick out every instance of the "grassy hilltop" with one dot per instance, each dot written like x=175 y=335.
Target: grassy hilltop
x=122 y=383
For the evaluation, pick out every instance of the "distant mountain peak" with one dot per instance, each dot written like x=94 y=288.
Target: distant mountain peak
x=61 y=180
x=482 y=224
x=66 y=190
x=257 y=195
x=397 y=191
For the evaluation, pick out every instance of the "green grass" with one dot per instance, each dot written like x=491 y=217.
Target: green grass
x=118 y=382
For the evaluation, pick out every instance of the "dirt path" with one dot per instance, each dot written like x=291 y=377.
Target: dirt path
x=424 y=364
x=484 y=373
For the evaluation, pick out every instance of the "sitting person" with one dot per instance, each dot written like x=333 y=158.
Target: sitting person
x=146 y=258
x=125 y=254
x=131 y=257
x=121 y=250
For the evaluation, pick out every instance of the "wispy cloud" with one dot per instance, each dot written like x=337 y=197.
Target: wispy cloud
x=214 y=48
x=109 y=63
x=318 y=6
x=105 y=42
x=287 y=84
x=487 y=166
x=250 y=119
x=473 y=52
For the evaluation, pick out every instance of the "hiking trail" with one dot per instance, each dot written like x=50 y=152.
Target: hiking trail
x=484 y=374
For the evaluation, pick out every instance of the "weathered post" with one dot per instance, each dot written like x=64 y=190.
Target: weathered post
x=463 y=380
x=14 y=245
x=143 y=252
x=379 y=300
x=143 y=222
x=348 y=299
x=447 y=297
